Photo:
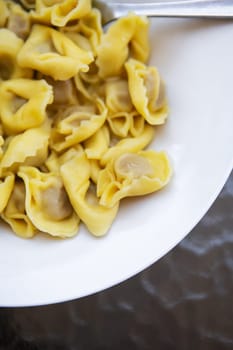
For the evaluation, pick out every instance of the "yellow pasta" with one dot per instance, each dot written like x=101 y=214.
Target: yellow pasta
x=52 y=53
x=147 y=92
x=64 y=92
x=78 y=109
x=137 y=124
x=133 y=174
x=95 y=169
x=9 y=49
x=92 y=77
x=126 y=37
x=77 y=124
x=1 y=146
x=82 y=88
x=6 y=187
x=76 y=174
x=129 y=144
x=28 y=148
x=18 y=21
x=120 y=123
x=23 y=104
x=80 y=40
x=90 y=27
x=59 y=13
x=14 y=213
x=97 y=144
x=4 y=13
x=124 y=124
x=89 y=87
x=117 y=96
x=52 y=164
x=28 y=4
x=47 y=204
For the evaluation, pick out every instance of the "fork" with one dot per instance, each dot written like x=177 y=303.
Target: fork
x=114 y=9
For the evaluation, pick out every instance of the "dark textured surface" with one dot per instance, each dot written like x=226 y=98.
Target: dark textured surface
x=184 y=301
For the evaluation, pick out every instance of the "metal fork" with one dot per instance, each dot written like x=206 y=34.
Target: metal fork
x=113 y=9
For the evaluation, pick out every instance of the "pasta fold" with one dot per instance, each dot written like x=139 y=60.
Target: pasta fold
x=47 y=204
x=9 y=48
x=77 y=124
x=133 y=174
x=6 y=187
x=19 y=21
x=59 y=13
x=4 y=13
x=127 y=37
x=97 y=144
x=28 y=4
x=23 y=104
x=64 y=92
x=137 y=124
x=52 y=53
x=120 y=123
x=15 y=215
x=89 y=86
x=95 y=169
x=128 y=144
x=76 y=177
x=1 y=146
x=147 y=92
x=28 y=148
x=117 y=96
x=88 y=27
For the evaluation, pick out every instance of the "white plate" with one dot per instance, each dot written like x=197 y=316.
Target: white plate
x=195 y=59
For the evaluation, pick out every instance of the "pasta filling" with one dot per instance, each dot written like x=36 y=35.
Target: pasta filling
x=18 y=196
x=55 y=202
x=156 y=98
x=17 y=103
x=6 y=67
x=133 y=165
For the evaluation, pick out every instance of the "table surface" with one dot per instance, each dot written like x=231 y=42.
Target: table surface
x=184 y=301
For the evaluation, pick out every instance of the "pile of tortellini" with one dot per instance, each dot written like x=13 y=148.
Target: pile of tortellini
x=78 y=107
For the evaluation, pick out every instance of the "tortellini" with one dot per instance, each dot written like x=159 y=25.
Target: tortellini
x=89 y=86
x=9 y=49
x=59 y=13
x=117 y=96
x=132 y=174
x=123 y=123
x=116 y=48
x=27 y=148
x=18 y=21
x=76 y=124
x=87 y=32
x=15 y=215
x=23 y=104
x=76 y=174
x=97 y=144
x=147 y=92
x=52 y=53
x=47 y=204
x=129 y=144
x=79 y=107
